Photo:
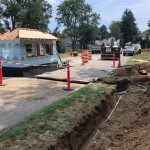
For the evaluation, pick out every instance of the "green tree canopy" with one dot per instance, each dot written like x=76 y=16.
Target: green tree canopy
x=115 y=29
x=26 y=13
x=128 y=26
x=2 y=28
x=59 y=44
x=104 y=32
x=10 y=12
x=36 y=14
x=88 y=34
x=74 y=14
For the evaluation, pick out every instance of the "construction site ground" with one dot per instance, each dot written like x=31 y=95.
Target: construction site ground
x=129 y=126
x=91 y=70
x=126 y=129
x=20 y=97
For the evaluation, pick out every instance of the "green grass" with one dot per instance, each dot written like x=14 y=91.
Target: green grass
x=136 y=58
x=45 y=126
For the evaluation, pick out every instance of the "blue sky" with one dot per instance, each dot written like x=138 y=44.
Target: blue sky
x=110 y=10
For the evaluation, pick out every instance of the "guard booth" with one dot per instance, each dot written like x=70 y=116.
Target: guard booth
x=108 y=51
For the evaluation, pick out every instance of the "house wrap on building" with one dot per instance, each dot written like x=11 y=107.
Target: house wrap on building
x=28 y=46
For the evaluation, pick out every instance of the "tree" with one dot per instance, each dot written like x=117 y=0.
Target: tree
x=104 y=32
x=36 y=14
x=88 y=31
x=59 y=44
x=26 y=13
x=88 y=34
x=128 y=26
x=149 y=24
x=2 y=28
x=147 y=39
x=10 y=12
x=115 y=29
x=65 y=33
x=73 y=14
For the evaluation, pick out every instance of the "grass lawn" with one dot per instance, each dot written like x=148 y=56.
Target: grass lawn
x=145 y=56
x=42 y=129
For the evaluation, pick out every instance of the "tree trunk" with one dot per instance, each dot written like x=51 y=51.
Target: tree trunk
x=13 y=22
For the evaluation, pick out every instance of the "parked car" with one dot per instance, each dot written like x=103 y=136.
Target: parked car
x=131 y=49
x=96 y=49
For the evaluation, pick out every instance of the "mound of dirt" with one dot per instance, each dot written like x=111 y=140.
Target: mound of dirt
x=131 y=70
x=145 y=66
x=128 y=73
x=125 y=72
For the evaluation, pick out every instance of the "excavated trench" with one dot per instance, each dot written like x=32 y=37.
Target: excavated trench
x=128 y=127
x=84 y=130
x=121 y=88
x=85 y=134
x=116 y=121
x=74 y=139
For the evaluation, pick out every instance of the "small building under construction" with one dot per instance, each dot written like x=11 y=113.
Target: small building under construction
x=24 y=51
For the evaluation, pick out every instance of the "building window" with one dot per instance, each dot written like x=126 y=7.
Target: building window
x=29 y=51
x=49 y=49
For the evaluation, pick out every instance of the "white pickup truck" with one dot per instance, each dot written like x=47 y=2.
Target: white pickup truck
x=131 y=49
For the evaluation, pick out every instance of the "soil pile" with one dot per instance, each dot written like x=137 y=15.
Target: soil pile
x=130 y=73
x=145 y=66
x=133 y=71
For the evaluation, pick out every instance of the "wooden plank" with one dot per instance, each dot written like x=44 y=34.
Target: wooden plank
x=3 y=36
x=27 y=34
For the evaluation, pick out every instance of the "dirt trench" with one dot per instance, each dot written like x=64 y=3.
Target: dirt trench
x=87 y=126
x=129 y=126
x=74 y=139
x=127 y=129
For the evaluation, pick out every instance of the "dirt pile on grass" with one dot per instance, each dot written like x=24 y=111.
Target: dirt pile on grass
x=129 y=126
x=126 y=71
x=145 y=66
x=130 y=73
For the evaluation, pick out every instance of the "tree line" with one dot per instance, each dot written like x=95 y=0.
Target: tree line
x=25 y=13
x=79 y=20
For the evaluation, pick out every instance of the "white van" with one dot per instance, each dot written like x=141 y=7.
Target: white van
x=131 y=49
